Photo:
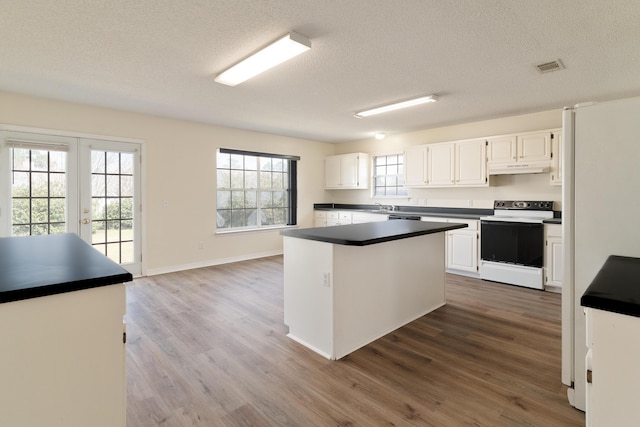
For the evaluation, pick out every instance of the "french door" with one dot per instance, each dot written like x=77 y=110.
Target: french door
x=57 y=184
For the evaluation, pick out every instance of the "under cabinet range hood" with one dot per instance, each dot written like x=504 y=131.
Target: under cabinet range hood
x=518 y=168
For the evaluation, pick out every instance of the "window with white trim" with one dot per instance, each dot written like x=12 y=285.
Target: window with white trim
x=38 y=188
x=255 y=190
x=388 y=176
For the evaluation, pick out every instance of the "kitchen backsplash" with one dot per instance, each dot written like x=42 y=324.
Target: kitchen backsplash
x=502 y=187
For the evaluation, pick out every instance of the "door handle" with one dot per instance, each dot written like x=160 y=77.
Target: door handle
x=85 y=221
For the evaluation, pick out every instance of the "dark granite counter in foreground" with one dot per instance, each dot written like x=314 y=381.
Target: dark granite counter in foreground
x=371 y=232
x=616 y=287
x=37 y=266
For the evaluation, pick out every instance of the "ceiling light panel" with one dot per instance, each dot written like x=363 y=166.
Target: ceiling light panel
x=283 y=49
x=397 y=106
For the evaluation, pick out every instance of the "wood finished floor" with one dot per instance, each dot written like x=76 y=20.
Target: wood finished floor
x=207 y=347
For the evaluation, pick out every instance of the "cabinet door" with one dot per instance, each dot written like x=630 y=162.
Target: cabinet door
x=471 y=163
x=462 y=250
x=320 y=219
x=415 y=166
x=502 y=150
x=441 y=164
x=554 y=264
x=332 y=172
x=349 y=171
x=534 y=147
x=556 y=158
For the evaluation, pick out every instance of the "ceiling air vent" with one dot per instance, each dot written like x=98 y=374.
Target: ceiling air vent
x=548 y=67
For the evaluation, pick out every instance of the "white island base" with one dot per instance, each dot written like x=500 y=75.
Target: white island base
x=338 y=298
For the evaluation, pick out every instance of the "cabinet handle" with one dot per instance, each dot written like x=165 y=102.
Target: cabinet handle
x=589 y=376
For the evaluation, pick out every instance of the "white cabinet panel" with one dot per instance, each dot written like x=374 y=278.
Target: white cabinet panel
x=63 y=359
x=415 y=166
x=319 y=218
x=502 y=149
x=462 y=250
x=534 y=147
x=471 y=163
x=441 y=167
x=553 y=260
x=614 y=351
x=556 y=157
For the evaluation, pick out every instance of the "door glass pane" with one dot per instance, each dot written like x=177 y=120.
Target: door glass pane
x=112 y=200
x=38 y=192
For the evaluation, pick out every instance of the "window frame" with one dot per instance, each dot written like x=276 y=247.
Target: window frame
x=290 y=189
x=399 y=175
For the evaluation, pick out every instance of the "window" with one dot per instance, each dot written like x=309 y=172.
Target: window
x=112 y=190
x=38 y=190
x=388 y=176
x=255 y=190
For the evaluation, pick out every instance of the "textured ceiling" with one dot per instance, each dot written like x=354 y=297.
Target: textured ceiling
x=479 y=56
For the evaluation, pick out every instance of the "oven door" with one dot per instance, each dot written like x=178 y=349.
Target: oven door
x=512 y=242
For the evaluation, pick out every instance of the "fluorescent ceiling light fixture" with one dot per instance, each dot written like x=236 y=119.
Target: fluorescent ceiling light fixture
x=293 y=44
x=379 y=135
x=397 y=106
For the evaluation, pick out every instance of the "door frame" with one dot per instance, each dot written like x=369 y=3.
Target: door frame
x=76 y=215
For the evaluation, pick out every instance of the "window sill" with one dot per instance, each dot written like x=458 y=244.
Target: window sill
x=251 y=230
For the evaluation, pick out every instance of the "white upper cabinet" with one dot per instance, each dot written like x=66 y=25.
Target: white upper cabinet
x=415 y=166
x=471 y=164
x=446 y=164
x=556 y=157
x=346 y=171
x=526 y=147
x=441 y=165
x=522 y=153
x=534 y=147
x=502 y=149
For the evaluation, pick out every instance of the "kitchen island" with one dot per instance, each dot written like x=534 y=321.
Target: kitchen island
x=61 y=326
x=348 y=285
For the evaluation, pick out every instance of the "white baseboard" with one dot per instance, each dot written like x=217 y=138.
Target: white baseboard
x=210 y=263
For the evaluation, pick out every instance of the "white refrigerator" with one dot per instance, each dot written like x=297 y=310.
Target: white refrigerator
x=600 y=213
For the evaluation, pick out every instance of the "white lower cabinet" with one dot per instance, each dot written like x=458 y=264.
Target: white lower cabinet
x=338 y=218
x=461 y=246
x=329 y=218
x=613 y=371
x=553 y=261
x=362 y=217
x=319 y=218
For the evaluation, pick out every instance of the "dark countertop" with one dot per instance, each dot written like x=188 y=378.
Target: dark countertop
x=37 y=266
x=371 y=232
x=462 y=213
x=616 y=287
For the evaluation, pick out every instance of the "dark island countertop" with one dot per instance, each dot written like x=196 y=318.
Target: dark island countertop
x=616 y=287
x=37 y=266
x=370 y=233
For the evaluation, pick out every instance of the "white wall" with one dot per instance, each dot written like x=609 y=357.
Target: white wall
x=180 y=168
x=529 y=186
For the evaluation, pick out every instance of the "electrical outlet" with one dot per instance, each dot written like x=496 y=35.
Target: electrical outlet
x=201 y=245
x=326 y=280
